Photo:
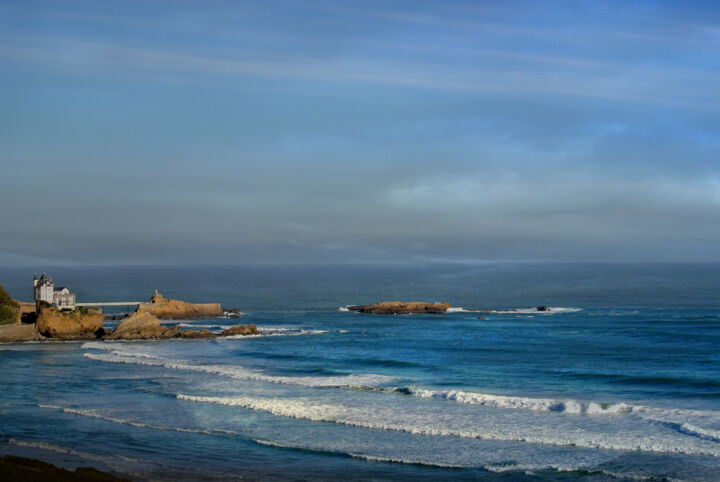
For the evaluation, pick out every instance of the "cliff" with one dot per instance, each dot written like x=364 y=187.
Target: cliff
x=9 y=309
x=401 y=308
x=168 y=309
x=79 y=324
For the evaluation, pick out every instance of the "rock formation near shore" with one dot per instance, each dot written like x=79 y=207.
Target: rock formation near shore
x=143 y=326
x=401 y=308
x=168 y=309
x=198 y=334
x=79 y=324
x=244 y=330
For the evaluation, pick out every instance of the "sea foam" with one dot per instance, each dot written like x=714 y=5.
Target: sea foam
x=550 y=310
x=435 y=425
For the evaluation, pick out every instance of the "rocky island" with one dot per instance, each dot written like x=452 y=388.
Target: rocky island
x=401 y=308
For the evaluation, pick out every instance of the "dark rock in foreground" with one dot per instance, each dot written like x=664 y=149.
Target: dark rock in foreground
x=21 y=468
x=401 y=308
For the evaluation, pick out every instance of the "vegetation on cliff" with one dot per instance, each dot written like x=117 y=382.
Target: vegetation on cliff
x=9 y=308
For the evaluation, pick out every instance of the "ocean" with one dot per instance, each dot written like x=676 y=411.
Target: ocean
x=619 y=380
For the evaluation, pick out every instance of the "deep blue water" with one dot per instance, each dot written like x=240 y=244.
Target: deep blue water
x=621 y=379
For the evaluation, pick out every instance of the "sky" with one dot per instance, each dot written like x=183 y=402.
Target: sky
x=178 y=132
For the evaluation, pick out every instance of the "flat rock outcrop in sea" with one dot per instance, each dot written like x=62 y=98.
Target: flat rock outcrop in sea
x=244 y=330
x=401 y=307
x=165 y=308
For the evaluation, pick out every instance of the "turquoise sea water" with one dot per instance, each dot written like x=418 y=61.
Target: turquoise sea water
x=621 y=379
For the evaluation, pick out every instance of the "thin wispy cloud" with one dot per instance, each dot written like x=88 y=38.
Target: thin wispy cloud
x=338 y=130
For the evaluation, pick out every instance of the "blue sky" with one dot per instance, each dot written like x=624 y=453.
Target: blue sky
x=331 y=131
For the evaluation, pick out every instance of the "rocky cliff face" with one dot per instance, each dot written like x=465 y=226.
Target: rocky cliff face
x=168 y=309
x=401 y=307
x=69 y=325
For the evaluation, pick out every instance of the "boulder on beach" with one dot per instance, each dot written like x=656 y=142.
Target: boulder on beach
x=244 y=330
x=79 y=324
x=168 y=309
x=143 y=326
x=15 y=332
x=401 y=307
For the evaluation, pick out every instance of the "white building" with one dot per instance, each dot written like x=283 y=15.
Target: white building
x=45 y=290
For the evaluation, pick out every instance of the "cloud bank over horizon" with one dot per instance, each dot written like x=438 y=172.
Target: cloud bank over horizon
x=338 y=131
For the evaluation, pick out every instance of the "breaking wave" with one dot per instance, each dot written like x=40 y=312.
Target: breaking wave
x=521 y=403
x=238 y=372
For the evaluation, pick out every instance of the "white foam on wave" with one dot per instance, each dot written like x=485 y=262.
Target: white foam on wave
x=200 y=325
x=373 y=458
x=343 y=308
x=431 y=424
x=522 y=403
x=674 y=418
x=238 y=372
x=550 y=310
x=705 y=433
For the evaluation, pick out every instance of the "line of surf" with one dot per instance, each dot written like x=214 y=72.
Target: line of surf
x=312 y=410
x=238 y=372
